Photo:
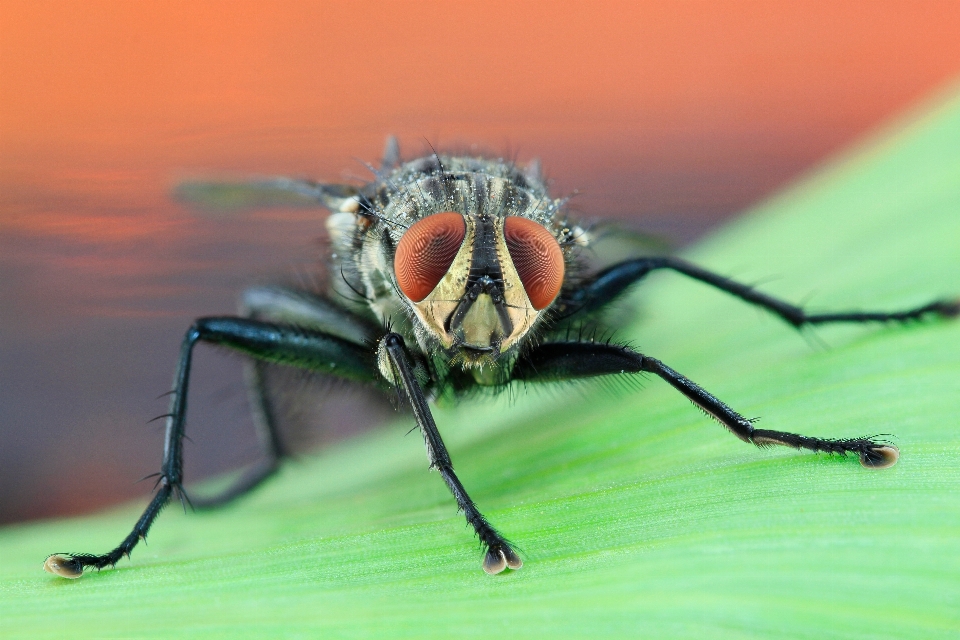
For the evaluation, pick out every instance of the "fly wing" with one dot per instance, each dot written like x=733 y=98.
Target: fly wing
x=227 y=195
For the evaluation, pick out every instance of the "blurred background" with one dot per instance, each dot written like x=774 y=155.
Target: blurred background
x=672 y=116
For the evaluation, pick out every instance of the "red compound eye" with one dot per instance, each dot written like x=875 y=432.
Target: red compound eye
x=426 y=251
x=537 y=258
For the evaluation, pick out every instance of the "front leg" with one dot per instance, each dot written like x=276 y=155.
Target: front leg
x=500 y=554
x=570 y=360
x=606 y=286
x=281 y=344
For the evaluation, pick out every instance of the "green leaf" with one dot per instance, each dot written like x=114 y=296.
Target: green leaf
x=636 y=515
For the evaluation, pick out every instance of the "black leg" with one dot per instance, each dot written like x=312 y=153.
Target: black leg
x=252 y=478
x=270 y=442
x=274 y=343
x=500 y=554
x=611 y=282
x=289 y=307
x=570 y=360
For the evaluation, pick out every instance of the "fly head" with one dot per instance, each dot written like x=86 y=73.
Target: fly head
x=466 y=253
x=478 y=283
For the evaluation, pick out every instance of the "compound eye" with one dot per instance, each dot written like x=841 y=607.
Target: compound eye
x=426 y=251
x=537 y=257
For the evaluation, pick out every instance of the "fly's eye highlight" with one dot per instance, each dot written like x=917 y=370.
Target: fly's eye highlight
x=426 y=251
x=537 y=258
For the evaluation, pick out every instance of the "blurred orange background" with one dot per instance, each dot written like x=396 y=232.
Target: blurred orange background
x=673 y=114
x=720 y=102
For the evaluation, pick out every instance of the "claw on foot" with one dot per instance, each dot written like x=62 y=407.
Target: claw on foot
x=499 y=558
x=880 y=457
x=63 y=566
x=951 y=308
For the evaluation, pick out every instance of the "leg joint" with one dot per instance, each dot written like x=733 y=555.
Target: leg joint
x=393 y=339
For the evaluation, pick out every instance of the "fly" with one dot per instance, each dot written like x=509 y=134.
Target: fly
x=454 y=273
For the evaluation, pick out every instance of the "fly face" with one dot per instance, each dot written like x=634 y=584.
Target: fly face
x=478 y=283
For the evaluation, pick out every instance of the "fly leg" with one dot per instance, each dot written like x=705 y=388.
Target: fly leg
x=270 y=342
x=570 y=360
x=611 y=282
x=297 y=308
x=270 y=442
x=499 y=554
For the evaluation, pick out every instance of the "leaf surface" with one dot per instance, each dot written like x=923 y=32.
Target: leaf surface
x=636 y=515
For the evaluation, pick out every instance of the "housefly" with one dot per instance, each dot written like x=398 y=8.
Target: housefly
x=452 y=273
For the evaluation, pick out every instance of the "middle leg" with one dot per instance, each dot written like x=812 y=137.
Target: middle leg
x=571 y=360
x=295 y=308
x=605 y=286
